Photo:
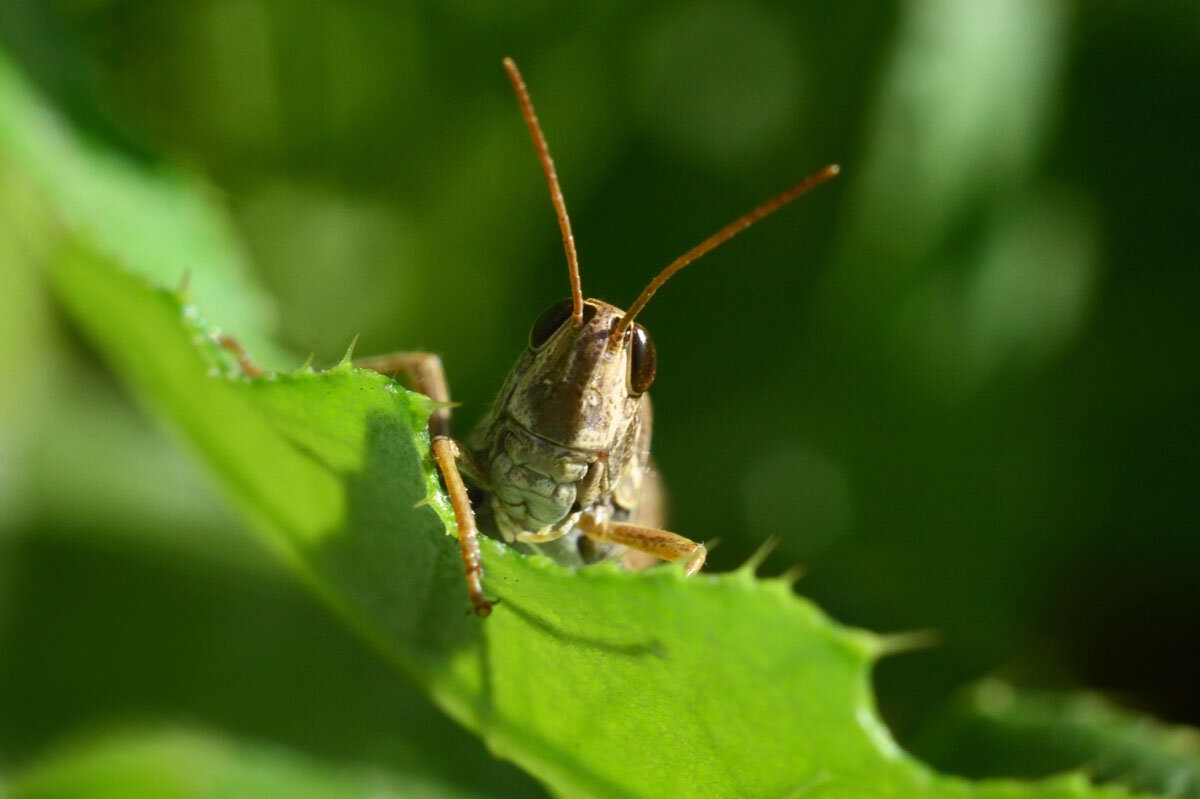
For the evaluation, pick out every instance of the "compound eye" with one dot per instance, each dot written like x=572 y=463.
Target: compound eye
x=549 y=322
x=643 y=361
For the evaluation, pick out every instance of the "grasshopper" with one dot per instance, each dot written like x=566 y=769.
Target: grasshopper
x=563 y=453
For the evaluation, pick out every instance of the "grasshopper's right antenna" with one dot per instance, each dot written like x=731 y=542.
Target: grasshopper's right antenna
x=721 y=236
x=556 y=196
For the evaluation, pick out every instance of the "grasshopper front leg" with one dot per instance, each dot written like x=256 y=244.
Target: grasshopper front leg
x=428 y=377
x=445 y=453
x=661 y=544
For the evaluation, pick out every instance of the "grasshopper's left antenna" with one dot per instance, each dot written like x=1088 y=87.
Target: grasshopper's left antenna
x=556 y=196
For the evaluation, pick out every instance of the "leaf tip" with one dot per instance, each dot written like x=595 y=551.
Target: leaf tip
x=793 y=574
x=184 y=290
x=867 y=644
x=912 y=640
x=755 y=561
x=348 y=358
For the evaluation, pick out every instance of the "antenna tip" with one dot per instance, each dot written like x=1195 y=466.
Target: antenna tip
x=833 y=169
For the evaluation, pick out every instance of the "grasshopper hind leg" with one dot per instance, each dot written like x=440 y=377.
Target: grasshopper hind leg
x=661 y=544
x=651 y=511
x=635 y=534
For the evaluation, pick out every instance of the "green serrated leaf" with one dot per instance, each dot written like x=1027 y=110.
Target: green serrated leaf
x=599 y=682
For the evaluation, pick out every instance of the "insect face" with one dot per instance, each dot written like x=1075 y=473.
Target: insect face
x=580 y=388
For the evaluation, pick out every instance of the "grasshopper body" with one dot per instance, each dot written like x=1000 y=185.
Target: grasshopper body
x=569 y=435
x=563 y=454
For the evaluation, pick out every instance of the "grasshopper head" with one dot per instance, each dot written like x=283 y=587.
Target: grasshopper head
x=589 y=363
x=576 y=385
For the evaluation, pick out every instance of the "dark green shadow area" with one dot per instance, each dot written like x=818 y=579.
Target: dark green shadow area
x=96 y=635
x=391 y=566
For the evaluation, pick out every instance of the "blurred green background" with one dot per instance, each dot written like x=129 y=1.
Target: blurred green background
x=959 y=384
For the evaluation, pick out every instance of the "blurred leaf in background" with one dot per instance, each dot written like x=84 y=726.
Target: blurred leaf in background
x=992 y=728
x=964 y=377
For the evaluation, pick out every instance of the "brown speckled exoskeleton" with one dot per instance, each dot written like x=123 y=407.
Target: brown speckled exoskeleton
x=564 y=452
